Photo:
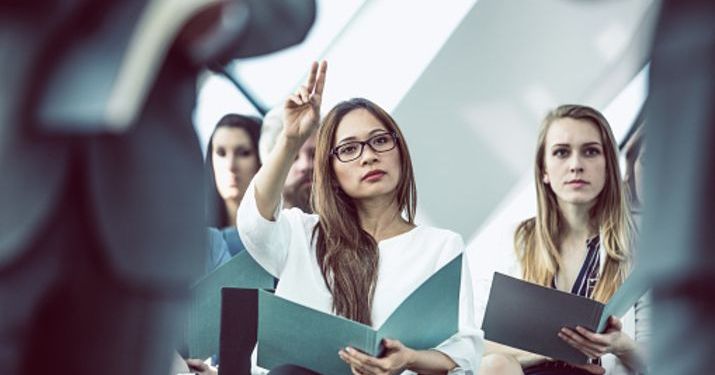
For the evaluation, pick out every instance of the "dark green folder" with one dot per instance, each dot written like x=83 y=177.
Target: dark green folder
x=241 y=271
x=290 y=333
x=529 y=316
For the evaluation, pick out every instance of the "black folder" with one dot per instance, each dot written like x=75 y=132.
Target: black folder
x=239 y=326
x=529 y=316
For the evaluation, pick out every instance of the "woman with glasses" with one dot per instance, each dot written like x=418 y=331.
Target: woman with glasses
x=361 y=254
x=580 y=241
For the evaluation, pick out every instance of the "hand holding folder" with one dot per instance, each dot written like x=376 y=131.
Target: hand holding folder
x=529 y=316
x=290 y=333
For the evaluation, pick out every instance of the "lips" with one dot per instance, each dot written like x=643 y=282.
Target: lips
x=577 y=182
x=373 y=175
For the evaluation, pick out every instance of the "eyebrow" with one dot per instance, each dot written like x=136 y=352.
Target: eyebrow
x=583 y=145
x=373 y=131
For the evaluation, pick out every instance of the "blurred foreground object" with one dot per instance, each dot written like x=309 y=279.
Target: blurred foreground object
x=101 y=201
x=679 y=211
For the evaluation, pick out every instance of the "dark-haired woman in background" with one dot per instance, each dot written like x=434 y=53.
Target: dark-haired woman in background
x=231 y=162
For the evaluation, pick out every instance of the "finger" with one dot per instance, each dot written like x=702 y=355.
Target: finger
x=362 y=357
x=197 y=365
x=320 y=81
x=350 y=359
x=355 y=364
x=589 y=353
x=580 y=344
x=293 y=101
x=593 y=337
x=312 y=75
x=576 y=336
x=357 y=371
x=304 y=94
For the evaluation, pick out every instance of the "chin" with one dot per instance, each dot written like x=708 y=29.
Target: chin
x=578 y=198
x=582 y=200
x=232 y=193
x=376 y=193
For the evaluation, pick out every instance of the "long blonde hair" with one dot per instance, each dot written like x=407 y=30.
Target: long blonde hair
x=536 y=240
x=347 y=255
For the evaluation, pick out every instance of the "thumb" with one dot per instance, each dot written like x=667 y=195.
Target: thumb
x=392 y=344
x=615 y=323
x=196 y=364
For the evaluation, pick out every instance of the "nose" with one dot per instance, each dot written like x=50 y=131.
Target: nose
x=575 y=164
x=233 y=163
x=304 y=164
x=368 y=156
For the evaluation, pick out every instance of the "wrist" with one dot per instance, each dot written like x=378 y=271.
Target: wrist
x=626 y=346
x=411 y=358
x=290 y=144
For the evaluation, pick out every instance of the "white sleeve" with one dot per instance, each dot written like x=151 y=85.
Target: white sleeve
x=643 y=321
x=467 y=346
x=489 y=254
x=269 y=242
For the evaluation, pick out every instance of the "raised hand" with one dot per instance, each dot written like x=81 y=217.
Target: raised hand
x=301 y=113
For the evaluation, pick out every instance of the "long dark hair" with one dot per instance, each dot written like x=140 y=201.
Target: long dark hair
x=215 y=207
x=348 y=256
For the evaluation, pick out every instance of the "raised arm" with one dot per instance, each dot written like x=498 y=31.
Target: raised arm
x=300 y=119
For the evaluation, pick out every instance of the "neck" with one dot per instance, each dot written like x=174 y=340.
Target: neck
x=579 y=225
x=231 y=211
x=380 y=217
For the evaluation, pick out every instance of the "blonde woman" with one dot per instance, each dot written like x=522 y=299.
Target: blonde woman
x=580 y=242
x=361 y=254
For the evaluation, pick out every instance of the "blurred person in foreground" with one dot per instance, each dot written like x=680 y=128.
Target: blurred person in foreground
x=101 y=219
x=677 y=235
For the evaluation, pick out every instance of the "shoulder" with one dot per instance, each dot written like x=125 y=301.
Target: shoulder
x=426 y=232
x=442 y=243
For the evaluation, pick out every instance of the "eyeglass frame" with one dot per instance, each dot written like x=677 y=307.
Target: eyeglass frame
x=334 y=151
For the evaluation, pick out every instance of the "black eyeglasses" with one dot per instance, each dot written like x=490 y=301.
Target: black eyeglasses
x=350 y=151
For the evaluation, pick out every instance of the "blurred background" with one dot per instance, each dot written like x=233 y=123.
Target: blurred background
x=468 y=81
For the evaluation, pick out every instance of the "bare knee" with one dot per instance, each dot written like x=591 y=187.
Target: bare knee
x=493 y=364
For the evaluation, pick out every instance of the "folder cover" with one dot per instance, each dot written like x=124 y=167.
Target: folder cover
x=241 y=271
x=290 y=333
x=529 y=316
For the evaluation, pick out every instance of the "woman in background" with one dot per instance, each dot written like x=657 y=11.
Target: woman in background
x=580 y=241
x=231 y=162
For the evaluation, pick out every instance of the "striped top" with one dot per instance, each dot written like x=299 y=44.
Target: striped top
x=586 y=280
x=588 y=275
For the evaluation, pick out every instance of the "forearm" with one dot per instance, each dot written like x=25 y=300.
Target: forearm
x=524 y=358
x=430 y=362
x=271 y=177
